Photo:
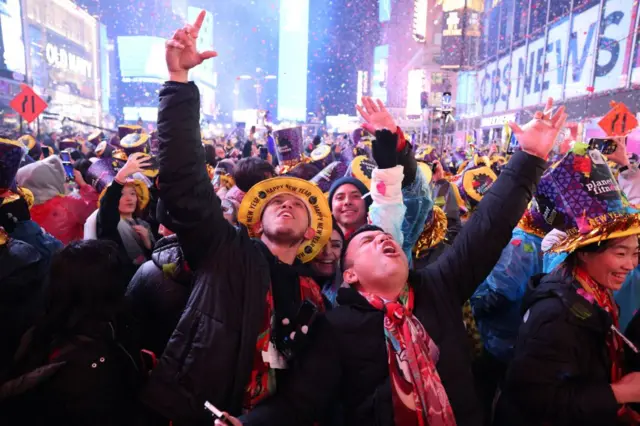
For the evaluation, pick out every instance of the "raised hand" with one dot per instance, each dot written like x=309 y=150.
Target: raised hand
x=376 y=116
x=135 y=163
x=182 y=53
x=538 y=136
x=620 y=156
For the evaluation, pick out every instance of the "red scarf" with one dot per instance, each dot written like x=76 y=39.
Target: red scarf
x=419 y=397
x=604 y=299
x=262 y=382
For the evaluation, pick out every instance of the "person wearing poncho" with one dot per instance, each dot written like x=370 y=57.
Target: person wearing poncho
x=568 y=367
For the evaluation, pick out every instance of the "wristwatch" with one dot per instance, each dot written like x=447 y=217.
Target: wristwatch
x=623 y=169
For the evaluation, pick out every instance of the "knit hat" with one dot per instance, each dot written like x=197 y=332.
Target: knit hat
x=353 y=181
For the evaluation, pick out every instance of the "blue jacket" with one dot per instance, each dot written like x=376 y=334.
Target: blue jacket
x=497 y=301
x=628 y=298
x=31 y=233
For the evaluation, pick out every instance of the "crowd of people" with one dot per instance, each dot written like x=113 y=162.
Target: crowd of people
x=361 y=279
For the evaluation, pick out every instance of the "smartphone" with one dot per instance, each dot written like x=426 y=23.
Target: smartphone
x=217 y=414
x=264 y=153
x=605 y=146
x=66 y=163
x=513 y=145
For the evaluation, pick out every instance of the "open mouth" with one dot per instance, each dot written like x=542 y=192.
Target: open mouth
x=389 y=249
x=286 y=215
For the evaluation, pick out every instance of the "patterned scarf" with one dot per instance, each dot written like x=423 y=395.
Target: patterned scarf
x=604 y=299
x=615 y=346
x=262 y=382
x=419 y=397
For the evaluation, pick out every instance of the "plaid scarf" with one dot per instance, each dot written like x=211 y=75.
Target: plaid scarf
x=419 y=397
x=262 y=381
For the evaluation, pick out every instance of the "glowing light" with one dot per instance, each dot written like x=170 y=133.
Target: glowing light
x=420 y=14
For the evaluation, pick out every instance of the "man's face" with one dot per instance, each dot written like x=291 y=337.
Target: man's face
x=376 y=263
x=286 y=220
x=348 y=207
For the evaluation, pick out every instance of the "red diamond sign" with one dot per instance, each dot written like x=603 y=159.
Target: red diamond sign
x=28 y=104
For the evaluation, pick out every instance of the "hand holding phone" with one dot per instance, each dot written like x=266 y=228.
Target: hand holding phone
x=605 y=146
x=221 y=418
x=68 y=167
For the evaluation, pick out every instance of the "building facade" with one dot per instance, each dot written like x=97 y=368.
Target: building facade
x=582 y=53
x=63 y=59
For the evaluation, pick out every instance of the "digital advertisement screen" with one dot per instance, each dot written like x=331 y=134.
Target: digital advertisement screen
x=59 y=64
x=293 y=55
x=12 y=51
x=380 y=72
x=385 y=10
x=142 y=59
x=145 y=113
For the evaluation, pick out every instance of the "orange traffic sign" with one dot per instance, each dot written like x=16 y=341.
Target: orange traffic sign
x=28 y=104
x=619 y=121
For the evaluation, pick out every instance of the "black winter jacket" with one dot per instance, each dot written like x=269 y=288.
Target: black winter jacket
x=560 y=374
x=158 y=293
x=22 y=277
x=348 y=358
x=210 y=354
x=86 y=379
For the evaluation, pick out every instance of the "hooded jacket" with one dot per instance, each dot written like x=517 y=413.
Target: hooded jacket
x=63 y=216
x=158 y=294
x=560 y=374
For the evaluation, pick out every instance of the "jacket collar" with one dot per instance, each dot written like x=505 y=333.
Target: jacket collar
x=562 y=285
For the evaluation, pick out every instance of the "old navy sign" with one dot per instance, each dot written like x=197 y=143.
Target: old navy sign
x=520 y=79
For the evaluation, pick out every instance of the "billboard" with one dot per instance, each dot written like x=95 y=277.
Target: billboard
x=461 y=32
x=60 y=64
x=293 y=55
x=380 y=72
x=12 y=51
x=142 y=59
x=575 y=60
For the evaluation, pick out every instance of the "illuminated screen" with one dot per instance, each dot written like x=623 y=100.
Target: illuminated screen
x=142 y=59
x=380 y=72
x=294 y=51
x=145 y=113
x=12 y=57
x=385 y=10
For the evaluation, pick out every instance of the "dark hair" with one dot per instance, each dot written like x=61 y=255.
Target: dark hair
x=597 y=247
x=36 y=151
x=86 y=281
x=210 y=155
x=250 y=171
x=82 y=166
x=304 y=171
x=86 y=286
x=364 y=228
x=76 y=155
